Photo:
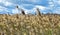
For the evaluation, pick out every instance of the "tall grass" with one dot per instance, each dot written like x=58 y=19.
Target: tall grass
x=29 y=25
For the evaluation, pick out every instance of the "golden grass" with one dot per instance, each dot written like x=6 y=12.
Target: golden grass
x=29 y=25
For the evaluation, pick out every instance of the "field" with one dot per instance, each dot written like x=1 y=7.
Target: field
x=29 y=24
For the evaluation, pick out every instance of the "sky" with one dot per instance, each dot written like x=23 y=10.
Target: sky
x=29 y=6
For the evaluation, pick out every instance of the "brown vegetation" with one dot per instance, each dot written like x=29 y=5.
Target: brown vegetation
x=29 y=24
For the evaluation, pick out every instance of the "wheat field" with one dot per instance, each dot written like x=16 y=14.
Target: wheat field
x=29 y=24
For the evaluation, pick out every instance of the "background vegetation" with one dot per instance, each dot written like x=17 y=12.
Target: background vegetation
x=29 y=24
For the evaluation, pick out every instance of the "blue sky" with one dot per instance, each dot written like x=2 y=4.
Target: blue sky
x=45 y=6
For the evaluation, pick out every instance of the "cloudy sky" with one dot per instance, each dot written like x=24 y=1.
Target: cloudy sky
x=29 y=6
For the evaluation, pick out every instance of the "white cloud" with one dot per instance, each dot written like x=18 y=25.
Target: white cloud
x=57 y=10
x=40 y=7
x=6 y=3
x=33 y=1
x=2 y=1
x=51 y=5
x=33 y=10
x=3 y=9
x=54 y=6
x=14 y=11
x=26 y=5
x=56 y=1
x=19 y=10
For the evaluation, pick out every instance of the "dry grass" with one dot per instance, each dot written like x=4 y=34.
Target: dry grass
x=29 y=25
